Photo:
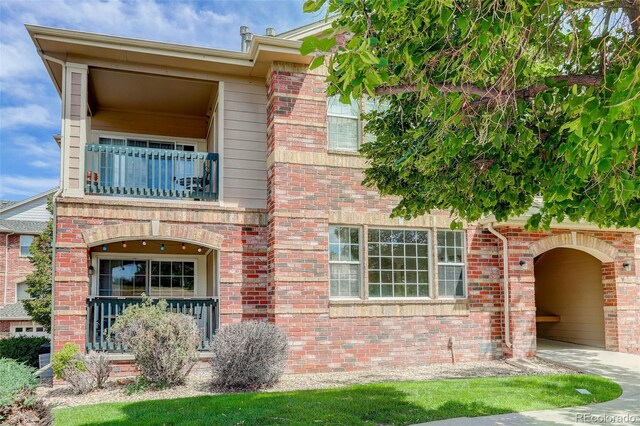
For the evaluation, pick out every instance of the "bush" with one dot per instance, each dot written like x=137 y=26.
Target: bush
x=82 y=372
x=69 y=355
x=18 y=404
x=14 y=379
x=248 y=356
x=22 y=349
x=163 y=343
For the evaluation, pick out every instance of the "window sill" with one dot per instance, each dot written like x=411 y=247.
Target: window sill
x=343 y=152
x=419 y=307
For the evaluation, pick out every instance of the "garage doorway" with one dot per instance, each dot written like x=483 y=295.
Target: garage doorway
x=569 y=297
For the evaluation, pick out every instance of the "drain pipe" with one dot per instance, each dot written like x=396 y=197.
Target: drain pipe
x=505 y=283
x=57 y=193
x=6 y=266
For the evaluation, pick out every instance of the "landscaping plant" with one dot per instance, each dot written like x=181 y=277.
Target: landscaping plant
x=164 y=344
x=23 y=349
x=248 y=355
x=18 y=403
x=68 y=356
x=83 y=372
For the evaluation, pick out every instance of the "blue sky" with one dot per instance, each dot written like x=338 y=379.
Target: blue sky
x=29 y=103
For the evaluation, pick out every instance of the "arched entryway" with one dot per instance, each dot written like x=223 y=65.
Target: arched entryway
x=569 y=297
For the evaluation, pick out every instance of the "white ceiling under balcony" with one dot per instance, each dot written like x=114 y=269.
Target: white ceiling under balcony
x=152 y=93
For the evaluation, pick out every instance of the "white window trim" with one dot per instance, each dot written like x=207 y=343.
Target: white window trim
x=429 y=260
x=463 y=264
x=432 y=259
x=349 y=262
x=196 y=143
x=95 y=279
x=20 y=245
x=358 y=120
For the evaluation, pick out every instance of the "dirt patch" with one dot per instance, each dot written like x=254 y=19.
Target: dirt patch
x=198 y=383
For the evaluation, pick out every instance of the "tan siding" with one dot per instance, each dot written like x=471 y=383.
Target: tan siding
x=569 y=284
x=74 y=128
x=35 y=210
x=245 y=143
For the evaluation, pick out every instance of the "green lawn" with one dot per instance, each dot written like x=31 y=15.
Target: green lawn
x=397 y=403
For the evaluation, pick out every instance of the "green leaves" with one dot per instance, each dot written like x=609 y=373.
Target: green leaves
x=490 y=121
x=313 y=44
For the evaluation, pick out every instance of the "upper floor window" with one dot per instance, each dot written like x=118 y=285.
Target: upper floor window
x=343 y=124
x=21 y=291
x=25 y=245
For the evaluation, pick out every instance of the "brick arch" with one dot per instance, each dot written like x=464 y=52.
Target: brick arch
x=192 y=233
x=597 y=248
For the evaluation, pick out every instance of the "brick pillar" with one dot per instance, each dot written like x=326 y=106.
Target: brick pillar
x=71 y=285
x=522 y=298
x=621 y=312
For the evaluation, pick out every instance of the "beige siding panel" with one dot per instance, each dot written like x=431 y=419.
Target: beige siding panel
x=569 y=284
x=35 y=210
x=245 y=143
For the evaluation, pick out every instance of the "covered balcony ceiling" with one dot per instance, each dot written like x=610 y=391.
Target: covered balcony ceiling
x=118 y=90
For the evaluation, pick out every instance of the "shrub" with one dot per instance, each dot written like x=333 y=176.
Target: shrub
x=248 y=356
x=18 y=404
x=82 y=372
x=98 y=366
x=14 y=379
x=163 y=343
x=22 y=349
x=68 y=355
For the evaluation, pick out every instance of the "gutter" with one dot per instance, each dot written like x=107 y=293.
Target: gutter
x=505 y=283
x=6 y=266
x=55 y=194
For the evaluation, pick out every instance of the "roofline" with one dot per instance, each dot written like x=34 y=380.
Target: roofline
x=522 y=220
x=246 y=59
x=16 y=319
x=27 y=200
x=311 y=29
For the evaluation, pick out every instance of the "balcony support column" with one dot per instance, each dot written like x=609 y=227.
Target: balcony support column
x=75 y=128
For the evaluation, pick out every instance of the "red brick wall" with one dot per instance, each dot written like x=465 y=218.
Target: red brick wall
x=242 y=274
x=18 y=268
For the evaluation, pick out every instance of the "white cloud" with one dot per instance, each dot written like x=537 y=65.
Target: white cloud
x=23 y=186
x=31 y=115
x=39 y=164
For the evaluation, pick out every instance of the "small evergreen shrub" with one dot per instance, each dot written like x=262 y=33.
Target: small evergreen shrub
x=163 y=343
x=248 y=356
x=68 y=356
x=23 y=349
x=18 y=403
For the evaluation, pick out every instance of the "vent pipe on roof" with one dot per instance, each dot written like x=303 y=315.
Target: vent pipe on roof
x=270 y=31
x=245 y=38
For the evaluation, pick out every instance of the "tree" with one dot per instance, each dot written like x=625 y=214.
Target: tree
x=493 y=103
x=39 y=282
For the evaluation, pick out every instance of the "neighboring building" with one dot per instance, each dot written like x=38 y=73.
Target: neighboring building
x=229 y=184
x=20 y=222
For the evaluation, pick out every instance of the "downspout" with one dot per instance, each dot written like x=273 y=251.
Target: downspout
x=505 y=283
x=58 y=192
x=6 y=266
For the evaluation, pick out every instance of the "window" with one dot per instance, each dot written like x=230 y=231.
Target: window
x=344 y=261
x=451 y=264
x=343 y=124
x=25 y=245
x=21 y=291
x=172 y=279
x=398 y=263
x=131 y=278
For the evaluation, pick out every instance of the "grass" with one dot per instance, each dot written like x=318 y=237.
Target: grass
x=397 y=403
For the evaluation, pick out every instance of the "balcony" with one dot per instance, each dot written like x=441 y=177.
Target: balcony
x=102 y=312
x=128 y=171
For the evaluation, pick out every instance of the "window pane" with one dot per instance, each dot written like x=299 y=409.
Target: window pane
x=451 y=268
x=400 y=269
x=25 y=245
x=344 y=261
x=343 y=133
x=335 y=107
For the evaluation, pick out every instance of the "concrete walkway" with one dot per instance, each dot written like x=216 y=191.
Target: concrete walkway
x=622 y=368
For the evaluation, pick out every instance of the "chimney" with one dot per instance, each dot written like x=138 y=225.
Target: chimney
x=245 y=38
x=270 y=31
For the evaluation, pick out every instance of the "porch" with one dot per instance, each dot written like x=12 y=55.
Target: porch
x=122 y=273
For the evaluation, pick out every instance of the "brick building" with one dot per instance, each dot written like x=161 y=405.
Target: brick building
x=227 y=183
x=20 y=222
